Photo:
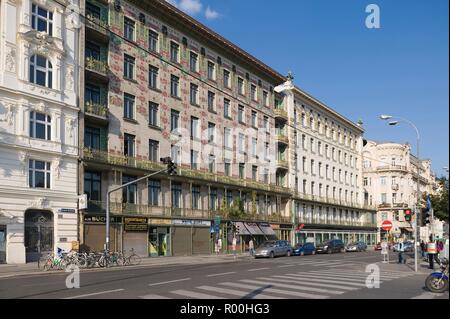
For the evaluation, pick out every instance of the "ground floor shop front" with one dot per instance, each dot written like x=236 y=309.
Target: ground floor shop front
x=318 y=236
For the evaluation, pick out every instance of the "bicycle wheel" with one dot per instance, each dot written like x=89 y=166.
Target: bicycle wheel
x=134 y=260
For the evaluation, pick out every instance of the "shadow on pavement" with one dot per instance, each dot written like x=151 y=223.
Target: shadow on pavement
x=256 y=292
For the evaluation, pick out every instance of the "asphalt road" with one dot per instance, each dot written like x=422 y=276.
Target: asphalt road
x=308 y=277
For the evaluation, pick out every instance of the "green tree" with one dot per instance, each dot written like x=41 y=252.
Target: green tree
x=253 y=208
x=237 y=208
x=439 y=200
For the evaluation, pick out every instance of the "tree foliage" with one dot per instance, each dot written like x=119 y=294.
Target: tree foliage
x=439 y=200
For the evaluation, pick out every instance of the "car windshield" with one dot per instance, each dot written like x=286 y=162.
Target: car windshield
x=352 y=244
x=299 y=245
x=268 y=244
x=326 y=243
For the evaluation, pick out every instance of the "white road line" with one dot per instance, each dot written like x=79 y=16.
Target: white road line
x=193 y=294
x=222 y=274
x=298 y=294
x=289 y=281
x=286 y=266
x=273 y=290
x=387 y=273
x=169 y=282
x=283 y=292
x=153 y=297
x=238 y=293
x=354 y=275
x=257 y=269
x=95 y=294
x=321 y=279
x=324 y=276
x=262 y=281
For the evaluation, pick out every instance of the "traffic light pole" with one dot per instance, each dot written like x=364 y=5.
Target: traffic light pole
x=108 y=195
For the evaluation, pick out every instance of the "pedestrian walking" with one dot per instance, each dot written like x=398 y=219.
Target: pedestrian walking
x=251 y=247
x=401 y=250
x=423 y=248
x=233 y=247
x=219 y=245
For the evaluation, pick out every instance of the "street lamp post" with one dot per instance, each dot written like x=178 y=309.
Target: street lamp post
x=393 y=123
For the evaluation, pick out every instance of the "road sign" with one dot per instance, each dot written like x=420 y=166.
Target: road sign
x=386 y=225
x=217 y=220
x=217 y=228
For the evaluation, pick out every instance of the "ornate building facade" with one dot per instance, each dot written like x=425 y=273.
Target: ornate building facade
x=39 y=47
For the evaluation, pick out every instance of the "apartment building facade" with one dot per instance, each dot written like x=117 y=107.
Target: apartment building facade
x=390 y=183
x=38 y=128
x=158 y=83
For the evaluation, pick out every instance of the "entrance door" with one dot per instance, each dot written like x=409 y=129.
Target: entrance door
x=2 y=244
x=38 y=234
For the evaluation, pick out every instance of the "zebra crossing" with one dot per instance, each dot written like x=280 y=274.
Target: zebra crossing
x=314 y=284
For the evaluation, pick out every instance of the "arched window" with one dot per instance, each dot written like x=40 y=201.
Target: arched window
x=41 y=71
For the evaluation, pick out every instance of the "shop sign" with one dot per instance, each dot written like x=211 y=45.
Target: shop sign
x=286 y=226
x=135 y=220
x=160 y=222
x=204 y=223
x=135 y=227
x=100 y=219
x=67 y=210
x=274 y=226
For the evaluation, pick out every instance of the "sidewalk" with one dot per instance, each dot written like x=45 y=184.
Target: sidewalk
x=7 y=270
x=422 y=266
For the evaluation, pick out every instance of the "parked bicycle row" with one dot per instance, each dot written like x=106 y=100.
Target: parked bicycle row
x=102 y=259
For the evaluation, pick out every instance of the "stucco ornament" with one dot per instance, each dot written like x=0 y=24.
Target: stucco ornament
x=9 y=115
x=69 y=77
x=58 y=165
x=73 y=16
x=10 y=60
x=23 y=161
x=287 y=86
x=39 y=203
x=70 y=123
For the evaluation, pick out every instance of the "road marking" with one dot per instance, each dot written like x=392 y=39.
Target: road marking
x=222 y=274
x=387 y=273
x=427 y=295
x=298 y=294
x=193 y=294
x=319 y=276
x=318 y=279
x=262 y=281
x=153 y=297
x=354 y=275
x=282 y=279
x=239 y=293
x=256 y=269
x=94 y=294
x=273 y=290
x=169 y=282
x=283 y=292
x=287 y=266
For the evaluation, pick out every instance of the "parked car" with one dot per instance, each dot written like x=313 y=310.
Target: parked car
x=331 y=246
x=304 y=249
x=377 y=247
x=274 y=248
x=408 y=246
x=357 y=246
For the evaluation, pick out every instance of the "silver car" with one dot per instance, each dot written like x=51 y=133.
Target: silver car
x=274 y=248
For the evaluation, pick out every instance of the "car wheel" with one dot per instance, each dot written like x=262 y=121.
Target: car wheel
x=302 y=253
x=288 y=254
x=313 y=252
x=271 y=255
x=342 y=250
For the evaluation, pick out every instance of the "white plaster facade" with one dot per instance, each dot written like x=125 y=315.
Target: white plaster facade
x=18 y=98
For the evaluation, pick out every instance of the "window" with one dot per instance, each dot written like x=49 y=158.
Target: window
x=41 y=71
x=41 y=19
x=383 y=198
x=312 y=145
x=227 y=168
x=153 y=150
x=241 y=89
x=226 y=79
x=254 y=144
x=128 y=67
x=193 y=62
x=92 y=51
x=211 y=71
x=254 y=172
x=128 y=108
x=319 y=147
x=129 y=27
x=194 y=94
x=365 y=181
x=265 y=98
x=92 y=185
x=313 y=169
x=254 y=119
x=175 y=153
x=154 y=192
x=213 y=199
x=304 y=186
x=305 y=169
x=174 y=120
x=266 y=176
x=254 y=93
x=194 y=159
x=266 y=123
x=195 y=128
x=320 y=169
x=227 y=138
x=383 y=180
x=92 y=10
x=241 y=170
x=129 y=143
x=241 y=114
x=304 y=141
x=211 y=101
x=153 y=114
x=174 y=85
x=153 y=38
x=40 y=126
x=212 y=163
x=39 y=174
x=211 y=132
x=327 y=171
x=174 y=52
x=266 y=151
x=153 y=77
x=241 y=143
x=92 y=94
x=92 y=138
x=176 y=195
x=195 y=197
x=129 y=193
x=226 y=108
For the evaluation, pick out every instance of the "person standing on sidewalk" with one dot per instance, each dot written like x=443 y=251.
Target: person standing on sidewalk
x=423 y=248
x=251 y=247
x=233 y=247
x=401 y=249
x=219 y=245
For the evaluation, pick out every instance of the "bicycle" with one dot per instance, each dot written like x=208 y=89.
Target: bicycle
x=133 y=259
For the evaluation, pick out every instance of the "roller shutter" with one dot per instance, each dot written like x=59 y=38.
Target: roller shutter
x=181 y=241
x=200 y=241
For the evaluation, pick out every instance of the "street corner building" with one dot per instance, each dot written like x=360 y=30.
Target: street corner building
x=38 y=129
x=257 y=157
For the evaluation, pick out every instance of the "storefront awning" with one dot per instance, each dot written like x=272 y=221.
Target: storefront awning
x=266 y=229
x=241 y=229
x=408 y=229
x=253 y=228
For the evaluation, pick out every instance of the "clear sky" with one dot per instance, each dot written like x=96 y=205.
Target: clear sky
x=400 y=69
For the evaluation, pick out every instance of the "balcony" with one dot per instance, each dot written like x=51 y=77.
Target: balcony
x=280 y=137
x=331 y=201
x=387 y=168
x=98 y=28
x=97 y=112
x=392 y=206
x=280 y=114
x=282 y=163
x=97 y=69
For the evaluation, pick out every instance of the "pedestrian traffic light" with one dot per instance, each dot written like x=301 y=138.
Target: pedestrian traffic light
x=171 y=166
x=408 y=215
x=426 y=216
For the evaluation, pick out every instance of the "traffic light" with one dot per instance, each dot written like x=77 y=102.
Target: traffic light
x=171 y=166
x=408 y=215
x=426 y=216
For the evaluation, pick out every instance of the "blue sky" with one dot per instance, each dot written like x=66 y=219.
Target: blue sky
x=399 y=69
